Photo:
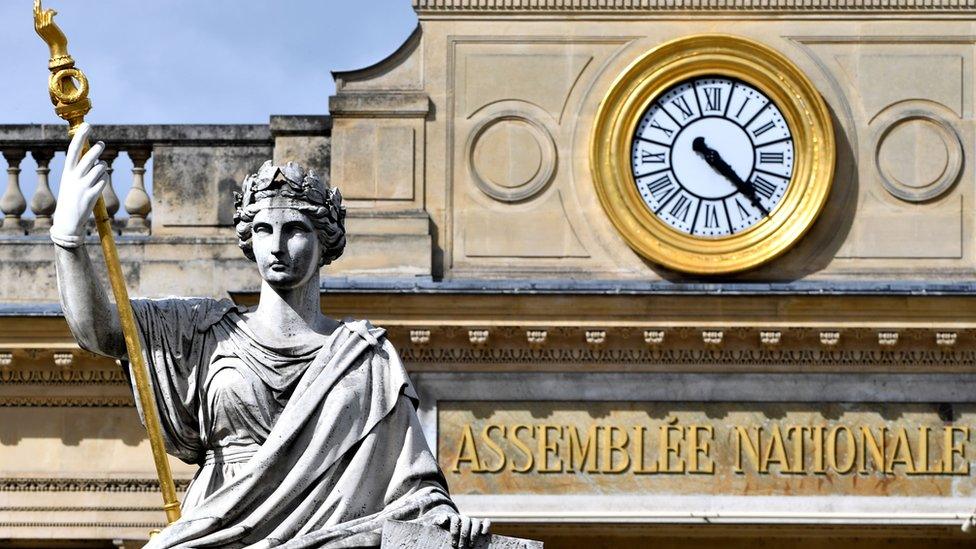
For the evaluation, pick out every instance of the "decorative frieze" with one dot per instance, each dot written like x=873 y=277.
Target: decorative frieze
x=39 y=484
x=712 y=337
x=63 y=360
x=47 y=375
x=654 y=337
x=420 y=337
x=536 y=337
x=66 y=402
x=445 y=7
x=535 y=347
x=478 y=337
x=829 y=338
x=596 y=337
x=887 y=339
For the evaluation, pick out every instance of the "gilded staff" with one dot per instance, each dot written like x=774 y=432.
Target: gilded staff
x=69 y=94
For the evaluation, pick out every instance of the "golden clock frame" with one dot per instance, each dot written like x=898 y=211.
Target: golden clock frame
x=650 y=76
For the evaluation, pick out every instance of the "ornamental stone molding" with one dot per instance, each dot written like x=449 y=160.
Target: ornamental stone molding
x=918 y=153
x=478 y=337
x=654 y=337
x=527 y=347
x=66 y=402
x=632 y=7
x=43 y=484
x=596 y=337
x=419 y=337
x=511 y=155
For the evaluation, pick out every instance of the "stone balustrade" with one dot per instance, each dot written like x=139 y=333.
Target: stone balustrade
x=179 y=238
x=139 y=143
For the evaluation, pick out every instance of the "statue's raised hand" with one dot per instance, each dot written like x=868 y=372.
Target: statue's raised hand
x=464 y=530
x=49 y=31
x=82 y=181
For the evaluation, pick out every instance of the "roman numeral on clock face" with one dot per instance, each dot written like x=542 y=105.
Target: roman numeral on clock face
x=682 y=105
x=680 y=207
x=710 y=216
x=771 y=158
x=713 y=98
x=657 y=126
x=764 y=128
x=764 y=188
x=648 y=157
x=661 y=187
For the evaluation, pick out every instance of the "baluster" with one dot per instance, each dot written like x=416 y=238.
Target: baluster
x=137 y=203
x=43 y=201
x=108 y=193
x=13 y=204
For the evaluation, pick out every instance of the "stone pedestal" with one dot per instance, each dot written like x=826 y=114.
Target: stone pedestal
x=409 y=535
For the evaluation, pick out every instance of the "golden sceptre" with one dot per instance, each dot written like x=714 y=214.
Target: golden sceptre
x=69 y=93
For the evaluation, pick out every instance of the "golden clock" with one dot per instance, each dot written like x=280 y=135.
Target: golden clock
x=712 y=154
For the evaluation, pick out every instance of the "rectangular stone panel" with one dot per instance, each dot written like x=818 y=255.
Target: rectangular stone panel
x=373 y=160
x=761 y=449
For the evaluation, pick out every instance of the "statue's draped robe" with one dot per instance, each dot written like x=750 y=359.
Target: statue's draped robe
x=309 y=446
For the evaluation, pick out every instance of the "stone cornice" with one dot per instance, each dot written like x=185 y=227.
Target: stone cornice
x=687 y=349
x=39 y=378
x=635 y=7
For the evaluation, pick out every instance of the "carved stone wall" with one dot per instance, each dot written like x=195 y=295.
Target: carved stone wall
x=513 y=87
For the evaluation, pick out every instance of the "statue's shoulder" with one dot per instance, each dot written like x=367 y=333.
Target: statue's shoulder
x=384 y=355
x=365 y=329
x=199 y=312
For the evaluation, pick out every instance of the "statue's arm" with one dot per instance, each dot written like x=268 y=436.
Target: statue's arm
x=91 y=317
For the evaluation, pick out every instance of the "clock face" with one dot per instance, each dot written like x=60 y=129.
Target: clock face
x=712 y=156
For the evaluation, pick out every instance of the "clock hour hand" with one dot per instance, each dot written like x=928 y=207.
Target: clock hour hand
x=715 y=160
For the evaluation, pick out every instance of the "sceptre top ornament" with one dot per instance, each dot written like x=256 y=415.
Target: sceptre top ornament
x=67 y=85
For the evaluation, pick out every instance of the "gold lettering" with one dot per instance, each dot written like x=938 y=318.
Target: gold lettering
x=751 y=449
x=873 y=446
x=950 y=450
x=922 y=464
x=467 y=453
x=613 y=448
x=639 y=467
x=832 y=451
x=818 y=449
x=796 y=433
x=898 y=453
x=669 y=448
x=580 y=453
x=494 y=447
x=777 y=447
x=699 y=446
x=546 y=449
x=522 y=447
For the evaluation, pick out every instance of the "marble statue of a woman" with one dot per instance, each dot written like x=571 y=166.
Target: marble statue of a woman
x=304 y=428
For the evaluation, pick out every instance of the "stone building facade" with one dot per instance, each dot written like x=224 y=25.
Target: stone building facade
x=573 y=390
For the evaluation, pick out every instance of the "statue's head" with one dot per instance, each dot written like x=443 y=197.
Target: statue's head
x=289 y=222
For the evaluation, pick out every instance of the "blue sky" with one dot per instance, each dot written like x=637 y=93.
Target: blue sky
x=197 y=61
x=192 y=61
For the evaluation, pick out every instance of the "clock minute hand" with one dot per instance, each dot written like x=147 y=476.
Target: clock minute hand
x=714 y=159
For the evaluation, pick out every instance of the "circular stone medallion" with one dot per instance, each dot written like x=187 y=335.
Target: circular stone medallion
x=511 y=157
x=919 y=156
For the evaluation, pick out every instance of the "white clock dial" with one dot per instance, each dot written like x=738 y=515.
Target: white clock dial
x=712 y=156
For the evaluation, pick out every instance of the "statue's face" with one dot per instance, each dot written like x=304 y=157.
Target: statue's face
x=286 y=247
